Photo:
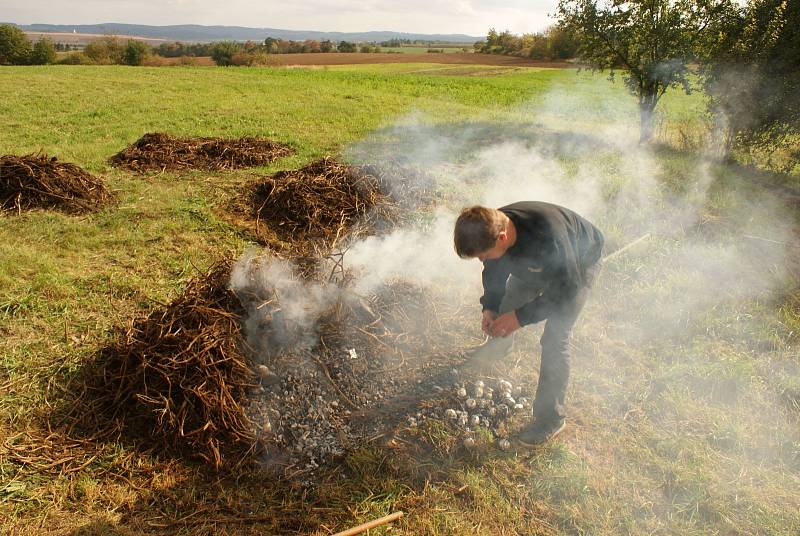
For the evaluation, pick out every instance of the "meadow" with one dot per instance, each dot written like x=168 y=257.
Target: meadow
x=685 y=395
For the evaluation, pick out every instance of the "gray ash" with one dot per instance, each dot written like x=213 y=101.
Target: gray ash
x=345 y=369
x=303 y=423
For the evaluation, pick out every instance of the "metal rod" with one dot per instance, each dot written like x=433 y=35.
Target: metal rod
x=371 y=524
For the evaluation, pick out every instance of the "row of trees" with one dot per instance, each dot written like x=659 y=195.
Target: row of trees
x=747 y=57
x=553 y=44
x=17 y=49
x=284 y=46
x=234 y=53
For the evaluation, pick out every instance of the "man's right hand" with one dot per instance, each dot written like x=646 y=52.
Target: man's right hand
x=486 y=321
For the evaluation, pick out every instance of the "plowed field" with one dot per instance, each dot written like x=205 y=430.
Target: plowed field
x=347 y=58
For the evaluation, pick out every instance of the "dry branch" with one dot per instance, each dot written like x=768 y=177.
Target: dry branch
x=321 y=200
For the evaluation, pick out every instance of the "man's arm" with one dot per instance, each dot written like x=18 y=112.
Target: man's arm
x=494 y=277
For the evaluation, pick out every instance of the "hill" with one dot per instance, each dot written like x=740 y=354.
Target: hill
x=199 y=33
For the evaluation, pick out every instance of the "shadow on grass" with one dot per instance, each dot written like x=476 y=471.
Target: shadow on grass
x=442 y=143
x=724 y=170
x=369 y=482
x=391 y=472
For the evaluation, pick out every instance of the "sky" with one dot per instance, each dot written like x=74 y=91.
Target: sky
x=471 y=17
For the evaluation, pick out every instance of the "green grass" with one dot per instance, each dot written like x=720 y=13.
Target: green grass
x=677 y=421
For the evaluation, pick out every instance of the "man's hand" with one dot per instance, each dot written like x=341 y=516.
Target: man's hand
x=504 y=325
x=487 y=320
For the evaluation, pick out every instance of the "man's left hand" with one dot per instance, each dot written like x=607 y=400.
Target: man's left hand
x=504 y=325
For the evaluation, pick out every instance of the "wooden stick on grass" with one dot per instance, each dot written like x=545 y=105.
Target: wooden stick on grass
x=626 y=247
x=371 y=524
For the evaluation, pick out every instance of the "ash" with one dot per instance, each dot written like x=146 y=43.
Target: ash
x=302 y=422
x=303 y=418
x=352 y=369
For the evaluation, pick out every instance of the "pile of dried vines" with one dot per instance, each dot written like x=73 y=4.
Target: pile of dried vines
x=38 y=181
x=159 y=152
x=176 y=381
x=321 y=200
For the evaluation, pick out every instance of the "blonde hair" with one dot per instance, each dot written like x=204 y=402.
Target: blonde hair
x=477 y=229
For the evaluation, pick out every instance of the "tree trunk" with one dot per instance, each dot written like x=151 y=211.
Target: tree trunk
x=722 y=137
x=647 y=107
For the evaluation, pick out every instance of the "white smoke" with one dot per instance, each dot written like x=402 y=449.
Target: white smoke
x=278 y=298
x=682 y=273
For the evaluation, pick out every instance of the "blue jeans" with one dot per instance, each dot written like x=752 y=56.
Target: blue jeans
x=554 y=371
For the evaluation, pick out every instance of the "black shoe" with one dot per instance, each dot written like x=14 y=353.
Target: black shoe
x=539 y=432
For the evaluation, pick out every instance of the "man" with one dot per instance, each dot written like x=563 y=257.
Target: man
x=539 y=261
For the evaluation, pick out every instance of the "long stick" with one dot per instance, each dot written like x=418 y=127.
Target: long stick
x=626 y=247
x=370 y=524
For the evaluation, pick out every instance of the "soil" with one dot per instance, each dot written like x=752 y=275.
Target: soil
x=353 y=58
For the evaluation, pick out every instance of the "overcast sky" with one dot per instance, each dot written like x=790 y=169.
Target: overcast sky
x=472 y=17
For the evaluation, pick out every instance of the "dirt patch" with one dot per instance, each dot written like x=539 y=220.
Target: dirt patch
x=38 y=181
x=455 y=58
x=161 y=152
x=354 y=58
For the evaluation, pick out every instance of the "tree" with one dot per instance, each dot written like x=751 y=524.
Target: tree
x=44 y=53
x=106 y=51
x=561 y=44
x=346 y=46
x=650 y=41
x=223 y=53
x=136 y=52
x=751 y=68
x=15 y=48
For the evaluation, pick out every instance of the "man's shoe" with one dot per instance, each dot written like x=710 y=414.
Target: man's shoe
x=539 y=432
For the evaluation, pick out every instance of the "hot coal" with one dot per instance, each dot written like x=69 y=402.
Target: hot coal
x=38 y=181
x=159 y=152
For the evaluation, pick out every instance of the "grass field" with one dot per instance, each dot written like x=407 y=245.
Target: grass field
x=685 y=395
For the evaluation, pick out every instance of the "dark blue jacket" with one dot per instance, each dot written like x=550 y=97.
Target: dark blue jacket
x=553 y=249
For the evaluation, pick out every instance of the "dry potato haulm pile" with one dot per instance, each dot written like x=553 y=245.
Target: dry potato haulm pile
x=274 y=358
x=337 y=368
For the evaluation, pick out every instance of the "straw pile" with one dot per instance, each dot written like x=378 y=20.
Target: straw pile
x=38 y=181
x=321 y=200
x=178 y=377
x=160 y=152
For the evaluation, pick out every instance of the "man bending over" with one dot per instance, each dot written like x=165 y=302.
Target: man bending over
x=539 y=261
